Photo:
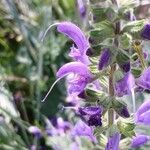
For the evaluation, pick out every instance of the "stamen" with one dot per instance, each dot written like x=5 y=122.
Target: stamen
x=49 y=27
x=52 y=87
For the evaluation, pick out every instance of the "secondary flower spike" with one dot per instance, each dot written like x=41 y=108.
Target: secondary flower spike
x=146 y=32
x=82 y=76
x=81 y=8
x=91 y=115
x=73 y=32
x=82 y=129
x=113 y=142
x=124 y=85
x=144 y=80
x=104 y=59
x=143 y=113
x=139 y=140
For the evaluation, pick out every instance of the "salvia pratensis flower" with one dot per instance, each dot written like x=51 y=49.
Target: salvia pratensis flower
x=146 y=32
x=139 y=140
x=73 y=32
x=104 y=59
x=82 y=129
x=144 y=80
x=113 y=142
x=124 y=85
x=81 y=79
x=91 y=115
x=143 y=113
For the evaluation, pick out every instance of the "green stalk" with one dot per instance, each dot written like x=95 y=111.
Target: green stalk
x=111 y=94
x=112 y=70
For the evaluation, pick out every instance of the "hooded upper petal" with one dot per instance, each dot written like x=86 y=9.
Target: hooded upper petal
x=143 y=113
x=139 y=140
x=74 y=33
x=124 y=85
x=144 y=80
x=113 y=142
x=74 y=67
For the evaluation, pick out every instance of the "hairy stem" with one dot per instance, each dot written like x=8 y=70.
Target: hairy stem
x=111 y=93
x=112 y=70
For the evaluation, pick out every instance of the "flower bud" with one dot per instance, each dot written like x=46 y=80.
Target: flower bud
x=104 y=59
x=146 y=32
x=91 y=115
x=139 y=140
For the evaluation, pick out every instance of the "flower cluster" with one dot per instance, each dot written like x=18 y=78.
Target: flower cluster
x=101 y=74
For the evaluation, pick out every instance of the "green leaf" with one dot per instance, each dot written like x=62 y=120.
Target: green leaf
x=134 y=26
x=94 y=96
x=122 y=57
x=125 y=41
x=126 y=126
x=136 y=71
x=102 y=31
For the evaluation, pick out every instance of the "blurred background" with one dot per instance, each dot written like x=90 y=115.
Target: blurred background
x=28 y=66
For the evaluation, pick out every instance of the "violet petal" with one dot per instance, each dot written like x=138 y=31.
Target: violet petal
x=124 y=85
x=144 y=80
x=146 y=32
x=104 y=59
x=74 y=33
x=142 y=114
x=113 y=142
x=73 y=67
x=139 y=140
x=82 y=129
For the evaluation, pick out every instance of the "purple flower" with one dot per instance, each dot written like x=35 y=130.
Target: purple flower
x=125 y=67
x=139 y=140
x=74 y=33
x=104 y=59
x=146 y=32
x=82 y=76
x=124 y=85
x=113 y=142
x=33 y=147
x=144 y=80
x=143 y=113
x=35 y=131
x=82 y=129
x=82 y=8
x=61 y=124
x=91 y=115
x=57 y=126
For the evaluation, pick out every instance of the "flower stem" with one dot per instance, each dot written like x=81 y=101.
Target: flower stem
x=112 y=70
x=111 y=94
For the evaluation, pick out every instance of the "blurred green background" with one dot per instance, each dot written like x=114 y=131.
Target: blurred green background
x=27 y=65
